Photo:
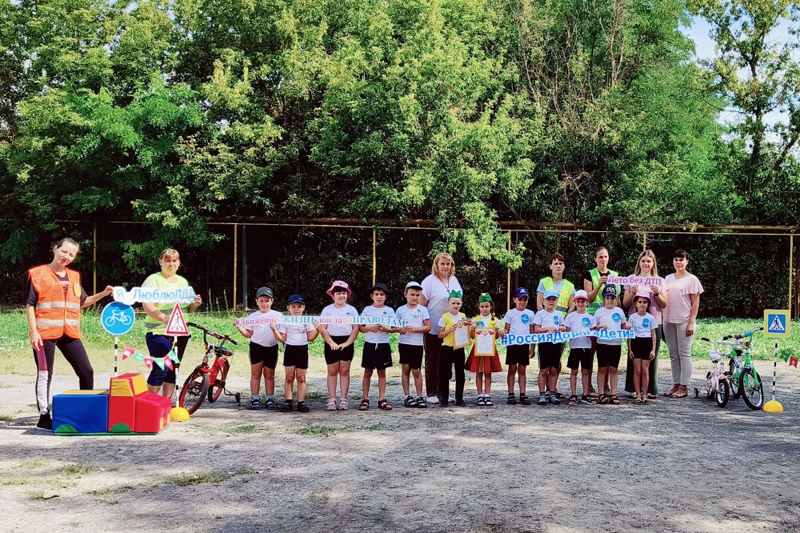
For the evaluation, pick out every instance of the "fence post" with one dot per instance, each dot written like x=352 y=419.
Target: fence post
x=235 y=260
x=244 y=267
x=374 y=254
x=94 y=259
x=791 y=271
x=508 y=277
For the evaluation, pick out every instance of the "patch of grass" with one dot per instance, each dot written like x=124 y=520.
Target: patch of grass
x=77 y=469
x=6 y=386
x=15 y=481
x=5 y=417
x=33 y=462
x=40 y=495
x=380 y=426
x=315 y=395
x=197 y=478
x=316 y=430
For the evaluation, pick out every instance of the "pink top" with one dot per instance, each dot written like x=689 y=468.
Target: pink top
x=679 y=309
x=655 y=307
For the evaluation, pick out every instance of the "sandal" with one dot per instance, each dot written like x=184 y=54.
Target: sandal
x=670 y=392
x=481 y=401
x=383 y=405
x=489 y=401
x=651 y=396
x=364 y=405
x=421 y=403
x=343 y=404
x=408 y=402
x=588 y=399
x=614 y=399
x=676 y=395
x=644 y=399
x=331 y=405
x=512 y=400
x=271 y=405
x=638 y=400
x=302 y=407
x=573 y=400
x=603 y=399
x=524 y=400
x=559 y=395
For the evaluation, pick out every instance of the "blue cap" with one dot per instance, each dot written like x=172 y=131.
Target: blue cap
x=520 y=292
x=380 y=287
x=296 y=299
x=550 y=293
x=610 y=290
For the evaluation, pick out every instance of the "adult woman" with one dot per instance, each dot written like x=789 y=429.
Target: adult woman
x=679 y=322
x=436 y=290
x=646 y=267
x=159 y=344
x=53 y=302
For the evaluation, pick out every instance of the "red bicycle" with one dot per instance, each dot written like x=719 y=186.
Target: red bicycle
x=208 y=381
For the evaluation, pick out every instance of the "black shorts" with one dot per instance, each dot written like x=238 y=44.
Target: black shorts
x=376 y=356
x=518 y=354
x=550 y=355
x=410 y=355
x=641 y=347
x=296 y=356
x=266 y=355
x=608 y=355
x=582 y=356
x=345 y=354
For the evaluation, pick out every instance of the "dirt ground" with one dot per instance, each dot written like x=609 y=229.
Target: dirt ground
x=674 y=465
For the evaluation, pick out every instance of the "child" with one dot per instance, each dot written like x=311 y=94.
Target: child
x=519 y=321
x=548 y=320
x=642 y=349
x=485 y=324
x=565 y=291
x=410 y=343
x=611 y=318
x=452 y=356
x=339 y=339
x=580 y=349
x=295 y=356
x=263 y=350
x=377 y=351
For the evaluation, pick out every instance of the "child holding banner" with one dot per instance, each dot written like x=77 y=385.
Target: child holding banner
x=410 y=343
x=642 y=348
x=549 y=320
x=580 y=349
x=295 y=336
x=483 y=359
x=377 y=351
x=519 y=321
x=609 y=318
x=454 y=330
x=263 y=350
x=339 y=340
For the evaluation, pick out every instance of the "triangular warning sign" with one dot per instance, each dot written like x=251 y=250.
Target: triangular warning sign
x=777 y=324
x=176 y=325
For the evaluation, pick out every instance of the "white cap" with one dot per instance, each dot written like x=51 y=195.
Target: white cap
x=580 y=294
x=413 y=285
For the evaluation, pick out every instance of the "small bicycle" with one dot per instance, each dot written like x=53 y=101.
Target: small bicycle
x=745 y=380
x=716 y=379
x=208 y=381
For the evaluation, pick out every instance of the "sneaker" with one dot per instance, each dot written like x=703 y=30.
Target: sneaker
x=481 y=401
x=512 y=400
x=271 y=405
x=451 y=399
x=255 y=405
x=433 y=400
x=524 y=400
x=302 y=407
x=542 y=399
x=554 y=399
x=421 y=403
x=45 y=422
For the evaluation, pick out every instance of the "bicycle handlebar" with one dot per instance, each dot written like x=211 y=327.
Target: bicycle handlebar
x=742 y=335
x=212 y=333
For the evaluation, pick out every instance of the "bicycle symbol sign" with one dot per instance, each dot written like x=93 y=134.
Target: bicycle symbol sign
x=117 y=318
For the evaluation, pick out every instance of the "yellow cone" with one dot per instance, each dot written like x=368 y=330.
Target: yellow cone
x=179 y=414
x=773 y=406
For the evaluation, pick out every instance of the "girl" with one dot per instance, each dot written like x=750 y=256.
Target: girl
x=642 y=349
x=485 y=324
x=448 y=324
x=339 y=340
x=609 y=351
x=53 y=302
x=295 y=356
x=158 y=342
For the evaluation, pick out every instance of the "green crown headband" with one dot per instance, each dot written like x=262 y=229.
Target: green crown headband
x=484 y=297
x=454 y=294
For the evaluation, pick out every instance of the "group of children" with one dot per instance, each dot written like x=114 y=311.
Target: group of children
x=457 y=333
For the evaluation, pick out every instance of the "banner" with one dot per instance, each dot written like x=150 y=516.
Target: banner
x=537 y=338
x=634 y=280
x=151 y=295
x=325 y=320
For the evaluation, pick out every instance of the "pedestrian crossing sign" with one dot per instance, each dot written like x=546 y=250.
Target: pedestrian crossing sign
x=776 y=323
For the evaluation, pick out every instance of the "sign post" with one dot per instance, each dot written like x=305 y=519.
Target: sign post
x=117 y=319
x=176 y=326
x=776 y=325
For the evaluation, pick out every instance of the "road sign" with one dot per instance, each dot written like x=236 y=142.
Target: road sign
x=776 y=323
x=176 y=325
x=117 y=318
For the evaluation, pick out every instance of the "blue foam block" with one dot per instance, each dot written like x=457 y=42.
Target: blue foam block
x=76 y=412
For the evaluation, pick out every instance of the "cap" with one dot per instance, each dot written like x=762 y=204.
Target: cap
x=380 y=286
x=610 y=290
x=643 y=294
x=339 y=283
x=580 y=295
x=413 y=285
x=295 y=299
x=550 y=293
x=519 y=292
x=264 y=291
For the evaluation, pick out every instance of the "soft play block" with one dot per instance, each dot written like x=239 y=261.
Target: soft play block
x=123 y=391
x=152 y=413
x=80 y=411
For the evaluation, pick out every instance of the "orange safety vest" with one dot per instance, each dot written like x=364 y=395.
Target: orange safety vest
x=56 y=314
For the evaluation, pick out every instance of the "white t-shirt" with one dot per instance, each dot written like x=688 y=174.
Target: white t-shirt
x=520 y=322
x=642 y=325
x=377 y=337
x=546 y=319
x=262 y=333
x=415 y=317
x=437 y=294
x=336 y=312
x=295 y=333
x=579 y=323
x=613 y=320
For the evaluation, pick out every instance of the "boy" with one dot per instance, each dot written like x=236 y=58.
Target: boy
x=580 y=349
x=549 y=320
x=295 y=356
x=611 y=318
x=519 y=321
x=263 y=350
x=565 y=291
x=377 y=352
x=410 y=343
x=451 y=355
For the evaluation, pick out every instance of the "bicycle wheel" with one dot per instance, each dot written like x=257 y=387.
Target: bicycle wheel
x=194 y=390
x=752 y=394
x=723 y=393
x=735 y=390
x=218 y=375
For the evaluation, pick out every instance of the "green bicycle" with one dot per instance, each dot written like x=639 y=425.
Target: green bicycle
x=744 y=379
